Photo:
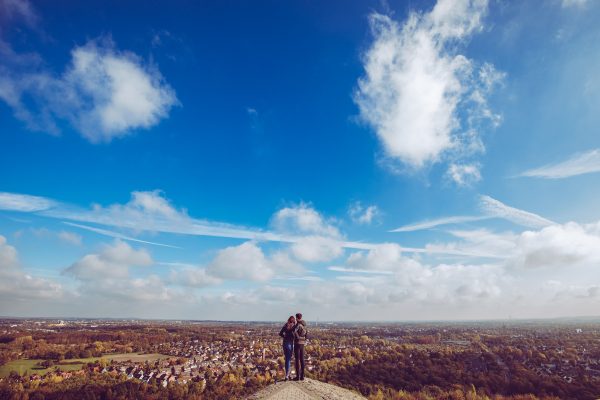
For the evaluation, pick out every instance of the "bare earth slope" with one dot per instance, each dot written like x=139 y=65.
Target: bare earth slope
x=308 y=389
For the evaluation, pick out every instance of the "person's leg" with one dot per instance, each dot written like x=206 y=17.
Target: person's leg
x=287 y=352
x=301 y=357
x=296 y=359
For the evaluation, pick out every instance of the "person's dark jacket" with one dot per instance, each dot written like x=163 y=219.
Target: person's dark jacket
x=300 y=333
x=287 y=334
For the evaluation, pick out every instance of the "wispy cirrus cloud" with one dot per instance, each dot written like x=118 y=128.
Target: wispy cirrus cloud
x=428 y=224
x=11 y=10
x=24 y=202
x=117 y=235
x=302 y=226
x=497 y=209
x=491 y=208
x=578 y=164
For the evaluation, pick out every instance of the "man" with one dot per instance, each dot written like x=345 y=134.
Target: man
x=300 y=334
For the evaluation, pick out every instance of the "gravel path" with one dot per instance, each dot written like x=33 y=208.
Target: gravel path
x=308 y=389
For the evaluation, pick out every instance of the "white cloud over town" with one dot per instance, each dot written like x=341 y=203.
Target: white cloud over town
x=373 y=281
x=417 y=86
x=104 y=93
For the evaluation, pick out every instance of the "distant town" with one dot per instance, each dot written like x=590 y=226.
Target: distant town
x=210 y=359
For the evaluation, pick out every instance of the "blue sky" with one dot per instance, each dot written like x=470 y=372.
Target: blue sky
x=243 y=160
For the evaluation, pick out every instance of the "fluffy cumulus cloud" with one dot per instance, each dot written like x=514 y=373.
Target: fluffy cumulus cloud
x=114 y=92
x=16 y=285
x=316 y=249
x=113 y=261
x=303 y=219
x=246 y=261
x=567 y=246
x=387 y=256
x=107 y=278
x=191 y=276
x=8 y=255
x=411 y=280
x=104 y=92
x=424 y=99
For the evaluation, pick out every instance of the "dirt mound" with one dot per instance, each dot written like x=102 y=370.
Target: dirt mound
x=308 y=389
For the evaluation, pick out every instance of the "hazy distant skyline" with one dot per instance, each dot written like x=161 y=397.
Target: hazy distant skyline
x=354 y=161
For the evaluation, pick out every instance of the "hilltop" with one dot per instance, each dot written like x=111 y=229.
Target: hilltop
x=308 y=389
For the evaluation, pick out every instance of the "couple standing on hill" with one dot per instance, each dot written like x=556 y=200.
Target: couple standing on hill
x=294 y=334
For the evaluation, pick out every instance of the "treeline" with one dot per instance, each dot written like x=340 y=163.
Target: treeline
x=92 y=386
x=401 y=370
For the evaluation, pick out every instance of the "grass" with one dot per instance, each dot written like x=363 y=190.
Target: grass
x=29 y=366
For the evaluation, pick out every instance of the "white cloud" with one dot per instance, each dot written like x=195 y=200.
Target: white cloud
x=578 y=164
x=24 y=202
x=415 y=83
x=464 y=174
x=17 y=285
x=8 y=254
x=121 y=292
x=106 y=283
x=359 y=271
x=303 y=219
x=316 y=249
x=285 y=266
x=194 y=277
x=64 y=236
x=565 y=246
x=152 y=212
x=18 y=10
x=117 y=235
x=492 y=208
x=428 y=224
x=495 y=208
x=485 y=242
x=384 y=257
x=246 y=261
x=113 y=262
x=70 y=237
x=574 y=3
x=104 y=93
x=363 y=215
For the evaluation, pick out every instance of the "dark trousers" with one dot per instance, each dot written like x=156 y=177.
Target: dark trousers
x=299 y=359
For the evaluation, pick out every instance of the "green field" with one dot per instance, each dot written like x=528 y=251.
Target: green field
x=21 y=366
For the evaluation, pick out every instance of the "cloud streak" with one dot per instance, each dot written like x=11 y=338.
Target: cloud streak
x=578 y=164
x=152 y=212
x=433 y=223
x=495 y=208
x=491 y=208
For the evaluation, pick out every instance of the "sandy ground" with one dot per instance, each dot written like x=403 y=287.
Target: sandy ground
x=308 y=389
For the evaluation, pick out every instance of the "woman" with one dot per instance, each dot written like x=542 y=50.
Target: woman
x=287 y=333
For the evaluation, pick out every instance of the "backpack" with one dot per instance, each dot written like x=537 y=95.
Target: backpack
x=301 y=332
